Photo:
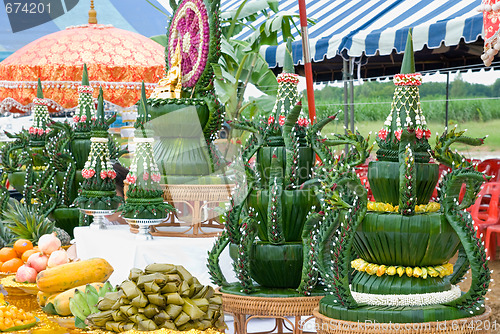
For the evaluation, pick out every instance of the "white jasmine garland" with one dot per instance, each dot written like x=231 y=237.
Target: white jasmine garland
x=421 y=299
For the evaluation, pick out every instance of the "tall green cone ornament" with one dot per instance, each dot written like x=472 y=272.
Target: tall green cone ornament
x=39 y=129
x=80 y=146
x=405 y=113
x=288 y=95
x=86 y=108
x=98 y=189
x=144 y=195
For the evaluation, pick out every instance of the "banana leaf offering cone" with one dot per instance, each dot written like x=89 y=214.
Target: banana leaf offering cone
x=139 y=303
x=144 y=195
x=98 y=190
x=39 y=129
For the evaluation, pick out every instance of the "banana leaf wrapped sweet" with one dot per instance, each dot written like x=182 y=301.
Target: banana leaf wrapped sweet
x=128 y=310
x=130 y=289
x=139 y=301
x=183 y=273
x=129 y=326
x=116 y=326
x=184 y=289
x=137 y=318
x=181 y=319
x=99 y=319
x=161 y=317
x=202 y=304
x=174 y=298
x=169 y=288
x=119 y=316
x=151 y=287
x=135 y=273
x=192 y=310
x=173 y=310
x=150 y=311
x=157 y=299
x=147 y=325
x=173 y=278
x=164 y=268
x=155 y=277
x=168 y=324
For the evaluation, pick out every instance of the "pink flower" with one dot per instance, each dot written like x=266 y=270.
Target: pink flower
x=47 y=130
x=156 y=177
x=282 y=120
x=398 y=134
x=145 y=176
x=83 y=119
x=32 y=130
x=270 y=120
x=382 y=134
x=76 y=118
x=302 y=121
x=40 y=132
x=103 y=174
x=88 y=173
x=419 y=133
x=131 y=178
x=111 y=174
x=427 y=134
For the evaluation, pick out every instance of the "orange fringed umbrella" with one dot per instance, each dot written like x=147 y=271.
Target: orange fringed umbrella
x=118 y=60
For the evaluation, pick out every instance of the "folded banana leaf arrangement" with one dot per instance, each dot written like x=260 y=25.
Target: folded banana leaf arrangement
x=393 y=266
x=160 y=296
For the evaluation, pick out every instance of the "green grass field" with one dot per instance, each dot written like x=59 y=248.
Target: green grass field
x=474 y=129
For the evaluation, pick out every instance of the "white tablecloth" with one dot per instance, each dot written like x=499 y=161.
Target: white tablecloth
x=119 y=247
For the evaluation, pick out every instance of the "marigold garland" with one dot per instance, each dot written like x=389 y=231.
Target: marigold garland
x=387 y=207
x=422 y=272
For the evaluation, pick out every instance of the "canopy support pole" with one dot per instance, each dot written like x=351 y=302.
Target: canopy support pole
x=447 y=98
x=345 y=77
x=307 y=61
x=351 y=89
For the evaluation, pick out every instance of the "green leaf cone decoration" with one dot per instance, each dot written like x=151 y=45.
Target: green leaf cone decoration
x=271 y=223
x=40 y=127
x=288 y=63
x=405 y=113
x=39 y=91
x=408 y=65
x=98 y=189
x=402 y=273
x=86 y=107
x=144 y=195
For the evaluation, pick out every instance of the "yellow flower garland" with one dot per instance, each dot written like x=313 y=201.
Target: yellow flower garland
x=422 y=272
x=387 y=207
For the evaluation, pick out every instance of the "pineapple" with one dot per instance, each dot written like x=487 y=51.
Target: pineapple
x=6 y=236
x=25 y=222
x=63 y=236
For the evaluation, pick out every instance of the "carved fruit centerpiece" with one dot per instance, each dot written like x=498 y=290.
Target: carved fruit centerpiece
x=404 y=243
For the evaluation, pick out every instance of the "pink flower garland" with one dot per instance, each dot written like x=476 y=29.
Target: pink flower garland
x=412 y=79
x=288 y=77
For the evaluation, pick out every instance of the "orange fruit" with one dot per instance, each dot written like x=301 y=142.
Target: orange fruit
x=11 y=265
x=27 y=254
x=7 y=253
x=21 y=246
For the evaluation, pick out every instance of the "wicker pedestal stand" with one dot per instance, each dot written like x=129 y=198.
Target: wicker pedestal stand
x=479 y=324
x=199 y=217
x=246 y=308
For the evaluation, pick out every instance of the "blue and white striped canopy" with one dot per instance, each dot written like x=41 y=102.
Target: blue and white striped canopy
x=379 y=27
x=357 y=26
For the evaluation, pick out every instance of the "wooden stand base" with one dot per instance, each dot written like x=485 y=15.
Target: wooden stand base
x=478 y=324
x=246 y=308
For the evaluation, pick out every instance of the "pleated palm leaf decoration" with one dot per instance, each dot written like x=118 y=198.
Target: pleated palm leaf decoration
x=400 y=246
x=98 y=190
x=144 y=195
